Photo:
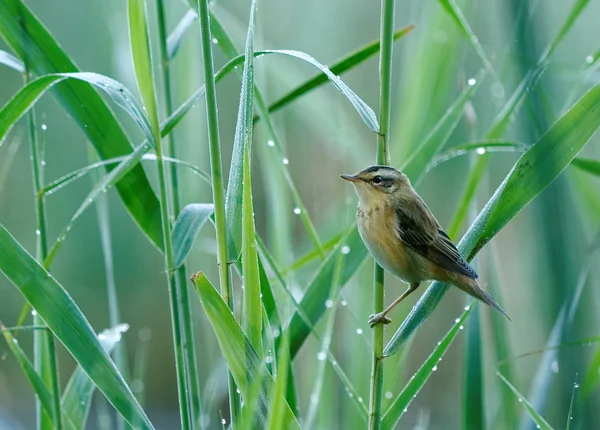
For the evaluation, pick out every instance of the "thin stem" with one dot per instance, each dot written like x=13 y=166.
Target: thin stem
x=217 y=179
x=44 y=351
x=385 y=72
x=181 y=280
x=114 y=317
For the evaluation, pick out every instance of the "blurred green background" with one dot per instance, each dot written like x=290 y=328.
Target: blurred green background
x=533 y=266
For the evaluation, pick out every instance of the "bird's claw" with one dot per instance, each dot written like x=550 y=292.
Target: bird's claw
x=377 y=319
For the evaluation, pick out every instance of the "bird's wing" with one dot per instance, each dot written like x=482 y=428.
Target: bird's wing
x=418 y=228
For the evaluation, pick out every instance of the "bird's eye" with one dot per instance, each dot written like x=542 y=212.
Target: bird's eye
x=377 y=179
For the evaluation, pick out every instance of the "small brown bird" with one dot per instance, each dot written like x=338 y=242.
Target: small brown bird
x=405 y=239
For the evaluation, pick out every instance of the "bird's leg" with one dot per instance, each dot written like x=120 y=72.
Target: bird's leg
x=381 y=316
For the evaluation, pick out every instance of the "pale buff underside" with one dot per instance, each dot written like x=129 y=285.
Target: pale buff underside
x=377 y=228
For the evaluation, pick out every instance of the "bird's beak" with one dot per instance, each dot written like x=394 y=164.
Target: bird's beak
x=351 y=178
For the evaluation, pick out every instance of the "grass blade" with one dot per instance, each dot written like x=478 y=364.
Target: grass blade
x=232 y=342
x=319 y=288
x=186 y=229
x=418 y=380
x=277 y=403
x=587 y=165
x=532 y=173
x=340 y=66
x=416 y=164
x=463 y=25
x=181 y=30
x=68 y=324
x=85 y=106
x=537 y=418
x=11 y=61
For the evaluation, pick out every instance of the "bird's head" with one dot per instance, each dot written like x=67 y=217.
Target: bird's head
x=379 y=183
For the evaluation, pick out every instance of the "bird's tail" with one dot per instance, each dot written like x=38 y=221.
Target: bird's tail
x=472 y=288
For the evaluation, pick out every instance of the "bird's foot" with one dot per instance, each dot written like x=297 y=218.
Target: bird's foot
x=377 y=319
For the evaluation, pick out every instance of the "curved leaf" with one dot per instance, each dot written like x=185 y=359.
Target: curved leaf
x=68 y=324
x=537 y=418
x=188 y=224
x=242 y=360
x=30 y=40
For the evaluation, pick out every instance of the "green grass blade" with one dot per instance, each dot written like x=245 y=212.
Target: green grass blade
x=537 y=418
x=463 y=25
x=587 y=165
x=277 y=403
x=479 y=148
x=532 y=173
x=77 y=397
x=107 y=181
x=408 y=393
x=473 y=403
x=319 y=288
x=67 y=179
x=11 y=61
x=340 y=66
x=68 y=324
x=85 y=106
x=242 y=143
x=27 y=96
x=35 y=380
x=186 y=229
x=416 y=165
x=181 y=30
x=242 y=360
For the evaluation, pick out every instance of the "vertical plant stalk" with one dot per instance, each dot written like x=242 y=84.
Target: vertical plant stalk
x=142 y=62
x=43 y=347
x=180 y=279
x=385 y=93
x=217 y=180
x=114 y=317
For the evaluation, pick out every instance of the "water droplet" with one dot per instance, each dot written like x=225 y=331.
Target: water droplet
x=328 y=303
x=405 y=409
x=359 y=331
x=457 y=320
x=286 y=161
x=268 y=359
x=480 y=151
x=589 y=59
x=238 y=391
x=276 y=333
x=34 y=312
x=466 y=308
x=223 y=421
x=344 y=303
x=575 y=385
x=472 y=82
x=434 y=368
x=43 y=162
x=44 y=127
x=388 y=395
x=520 y=400
x=350 y=394
x=538 y=426
x=360 y=400
x=321 y=356
x=270 y=143
x=461 y=327
x=215 y=41
x=15 y=341
x=297 y=211
x=345 y=250
x=37 y=232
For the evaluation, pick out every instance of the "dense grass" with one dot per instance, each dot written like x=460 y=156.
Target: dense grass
x=270 y=332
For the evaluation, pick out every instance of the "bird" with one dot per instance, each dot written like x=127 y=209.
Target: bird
x=405 y=238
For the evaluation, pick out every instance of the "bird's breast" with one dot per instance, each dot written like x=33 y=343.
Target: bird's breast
x=377 y=228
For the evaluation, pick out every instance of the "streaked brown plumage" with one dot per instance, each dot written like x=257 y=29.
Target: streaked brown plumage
x=404 y=237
